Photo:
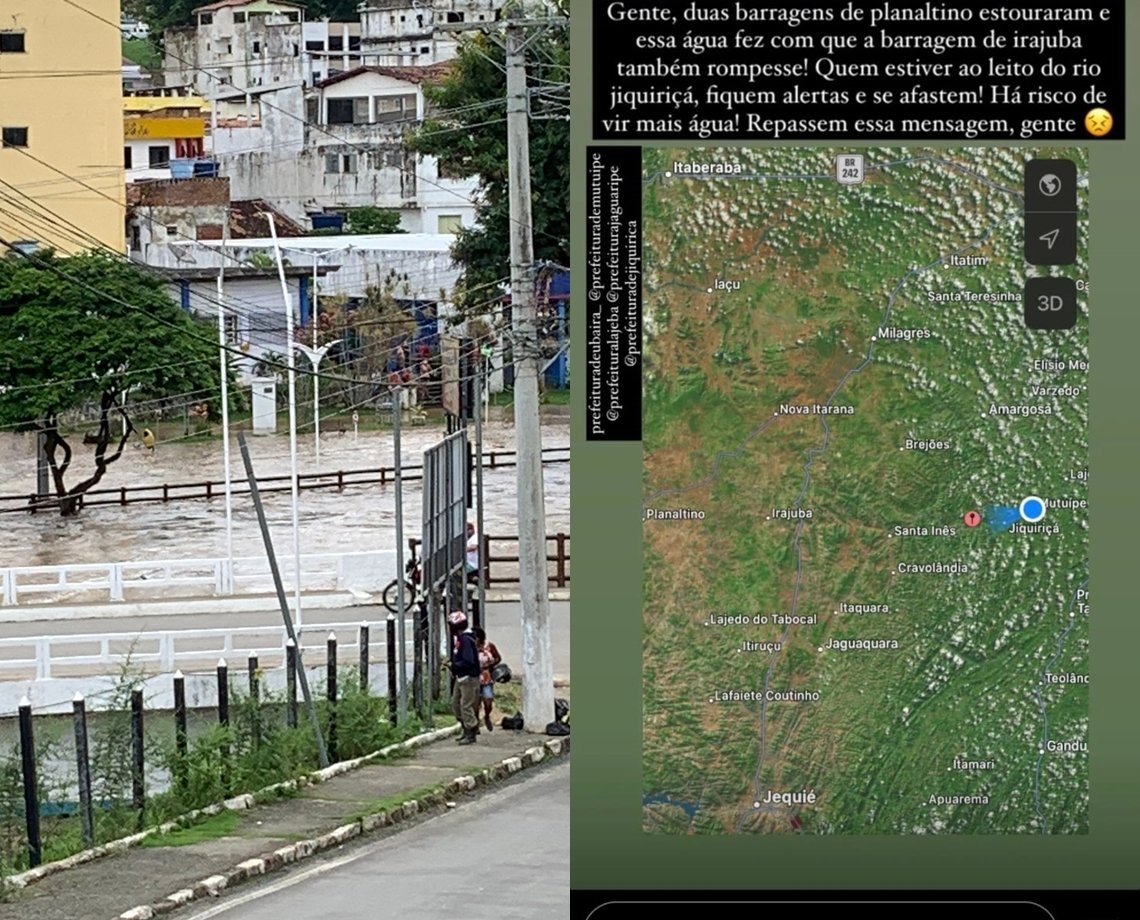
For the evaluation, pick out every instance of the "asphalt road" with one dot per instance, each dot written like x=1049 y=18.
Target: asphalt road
x=504 y=856
x=503 y=625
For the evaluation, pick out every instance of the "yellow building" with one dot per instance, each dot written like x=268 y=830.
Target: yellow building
x=61 y=115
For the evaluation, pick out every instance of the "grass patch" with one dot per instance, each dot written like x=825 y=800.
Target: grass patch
x=394 y=801
x=222 y=824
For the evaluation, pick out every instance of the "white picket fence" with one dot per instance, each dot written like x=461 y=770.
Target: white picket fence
x=50 y=669
x=140 y=582
x=167 y=651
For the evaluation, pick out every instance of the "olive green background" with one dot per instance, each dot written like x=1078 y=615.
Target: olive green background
x=608 y=847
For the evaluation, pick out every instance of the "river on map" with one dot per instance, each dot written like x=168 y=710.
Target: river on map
x=361 y=518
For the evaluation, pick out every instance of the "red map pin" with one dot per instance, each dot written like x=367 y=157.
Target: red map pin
x=972 y=518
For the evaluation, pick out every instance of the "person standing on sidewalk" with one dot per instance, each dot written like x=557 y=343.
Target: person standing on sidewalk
x=465 y=669
x=488 y=657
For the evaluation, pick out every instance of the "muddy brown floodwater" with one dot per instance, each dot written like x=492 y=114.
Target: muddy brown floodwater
x=359 y=518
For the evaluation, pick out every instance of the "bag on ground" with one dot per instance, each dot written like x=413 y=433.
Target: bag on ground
x=558 y=728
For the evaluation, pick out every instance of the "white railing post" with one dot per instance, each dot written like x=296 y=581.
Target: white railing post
x=43 y=658
x=116 y=579
x=10 y=596
x=166 y=651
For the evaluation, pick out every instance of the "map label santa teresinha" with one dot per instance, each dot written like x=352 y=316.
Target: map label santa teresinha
x=865 y=516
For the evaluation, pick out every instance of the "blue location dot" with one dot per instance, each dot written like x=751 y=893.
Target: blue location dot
x=1031 y=509
x=1002 y=517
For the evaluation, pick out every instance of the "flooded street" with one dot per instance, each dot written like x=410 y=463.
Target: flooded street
x=357 y=519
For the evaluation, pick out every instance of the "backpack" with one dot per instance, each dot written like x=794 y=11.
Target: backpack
x=513 y=723
x=558 y=728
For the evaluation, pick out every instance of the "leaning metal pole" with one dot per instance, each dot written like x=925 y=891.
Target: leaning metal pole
x=255 y=494
x=290 y=353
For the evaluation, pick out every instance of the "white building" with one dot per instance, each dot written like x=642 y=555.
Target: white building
x=341 y=146
x=239 y=45
x=236 y=43
x=397 y=32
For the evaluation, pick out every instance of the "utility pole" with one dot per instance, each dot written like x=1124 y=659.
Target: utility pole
x=538 y=668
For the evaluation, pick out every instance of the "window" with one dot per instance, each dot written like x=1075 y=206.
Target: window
x=360 y=110
x=229 y=48
x=340 y=111
x=408 y=177
x=396 y=108
x=336 y=43
x=172 y=230
x=340 y=163
x=159 y=157
x=296 y=50
x=426 y=49
x=449 y=223
x=136 y=237
x=293 y=17
x=11 y=42
x=128 y=160
x=239 y=17
x=15 y=137
x=354 y=43
x=205 y=19
x=257 y=47
x=312 y=110
x=455 y=17
x=314 y=46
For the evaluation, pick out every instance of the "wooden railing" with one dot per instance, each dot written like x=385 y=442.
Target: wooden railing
x=500 y=569
x=339 y=480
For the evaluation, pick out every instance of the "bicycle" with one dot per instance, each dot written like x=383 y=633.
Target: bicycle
x=413 y=574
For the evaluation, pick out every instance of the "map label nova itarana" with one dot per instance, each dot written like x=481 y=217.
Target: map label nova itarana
x=865 y=517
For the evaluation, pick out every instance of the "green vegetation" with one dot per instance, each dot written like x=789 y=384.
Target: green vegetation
x=223 y=824
x=258 y=749
x=143 y=52
x=468 y=135
x=81 y=333
x=818 y=265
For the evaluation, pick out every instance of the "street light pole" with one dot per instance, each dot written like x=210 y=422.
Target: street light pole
x=314 y=355
x=290 y=356
x=229 y=575
x=316 y=378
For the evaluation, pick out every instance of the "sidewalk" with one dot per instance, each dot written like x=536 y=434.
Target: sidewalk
x=369 y=799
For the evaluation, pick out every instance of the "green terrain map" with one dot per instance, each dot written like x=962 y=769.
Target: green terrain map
x=866 y=589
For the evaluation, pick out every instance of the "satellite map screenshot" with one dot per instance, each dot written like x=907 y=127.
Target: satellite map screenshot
x=865 y=508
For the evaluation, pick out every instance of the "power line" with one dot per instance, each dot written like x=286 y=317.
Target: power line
x=288 y=114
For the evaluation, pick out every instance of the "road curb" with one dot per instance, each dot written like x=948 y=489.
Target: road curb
x=237 y=803
x=213 y=885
